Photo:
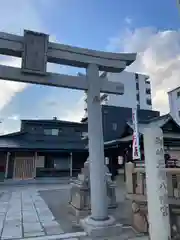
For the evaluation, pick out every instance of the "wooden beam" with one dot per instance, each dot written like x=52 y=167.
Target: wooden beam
x=58 y=80
x=64 y=54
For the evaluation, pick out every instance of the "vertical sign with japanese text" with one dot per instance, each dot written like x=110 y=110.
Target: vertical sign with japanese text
x=156 y=184
x=135 y=146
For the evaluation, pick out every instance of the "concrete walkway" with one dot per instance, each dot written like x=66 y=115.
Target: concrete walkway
x=23 y=213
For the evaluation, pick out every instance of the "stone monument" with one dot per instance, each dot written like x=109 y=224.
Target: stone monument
x=80 y=192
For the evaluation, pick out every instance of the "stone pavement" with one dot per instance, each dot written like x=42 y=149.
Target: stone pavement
x=25 y=215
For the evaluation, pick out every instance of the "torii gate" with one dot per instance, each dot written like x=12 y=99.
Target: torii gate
x=36 y=50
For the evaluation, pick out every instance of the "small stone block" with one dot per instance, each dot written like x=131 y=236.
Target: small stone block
x=81 y=177
x=102 y=231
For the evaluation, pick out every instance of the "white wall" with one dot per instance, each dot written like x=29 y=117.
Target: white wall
x=174 y=104
x=129 y=98
x=142 y=91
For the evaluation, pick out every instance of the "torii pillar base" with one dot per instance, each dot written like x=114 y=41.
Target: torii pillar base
x=106 y=228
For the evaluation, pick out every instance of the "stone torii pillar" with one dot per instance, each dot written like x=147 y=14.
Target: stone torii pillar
x=35 y=51
x=96 y=146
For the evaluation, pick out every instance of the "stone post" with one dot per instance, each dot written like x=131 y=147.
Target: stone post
x=35 y=163
x=170 y=185
x=71 y=165
x=96 y=146
x=7 y=164
x=129 y=168
x=99 y=224
x=156 y=180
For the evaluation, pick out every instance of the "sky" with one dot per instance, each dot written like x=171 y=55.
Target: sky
x=148 y=27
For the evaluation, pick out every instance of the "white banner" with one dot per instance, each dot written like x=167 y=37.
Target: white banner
x=135 y=146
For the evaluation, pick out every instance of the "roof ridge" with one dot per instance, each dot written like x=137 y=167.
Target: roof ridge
x=12 y=134
x=51 y=121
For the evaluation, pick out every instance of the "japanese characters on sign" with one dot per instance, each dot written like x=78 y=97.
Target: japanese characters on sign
x=34 y=58
x=163 y=193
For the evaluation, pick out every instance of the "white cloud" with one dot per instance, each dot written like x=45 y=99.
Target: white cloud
x=76 y=114
x=15 y=20
x=128 y=20
x=66 y=105
x=8 y=89
x=28 y=17
x=14 y=117
x=158 y=56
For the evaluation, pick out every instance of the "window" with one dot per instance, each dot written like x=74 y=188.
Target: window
x=178 y=94
x=148 y=91
x=147 y=81
x=120 y=160
x=53 y=132
x=138 y=106
x=137 y=86
x=137 y=97
x=106 y=160
x=84 y=134
x=136 y=76
x=114 y=126
x=148 y=101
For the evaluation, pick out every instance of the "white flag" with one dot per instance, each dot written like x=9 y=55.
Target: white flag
x=135 y=146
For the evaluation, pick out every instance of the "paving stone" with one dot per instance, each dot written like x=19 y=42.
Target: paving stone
x=27 y=212
x=1 y=227
x=3 y=210
x=53 y=230
x=11 y=232
x=50 y=224
x=30 y=220
x=13 y=222
x=2 y=217
x=34 y=234
x=46 y=219
x=32 y=227
x=11 y=218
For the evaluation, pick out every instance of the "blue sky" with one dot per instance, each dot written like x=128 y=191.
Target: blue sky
x=116 y=25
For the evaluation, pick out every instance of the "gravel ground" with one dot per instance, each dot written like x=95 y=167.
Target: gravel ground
x=57 y=201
